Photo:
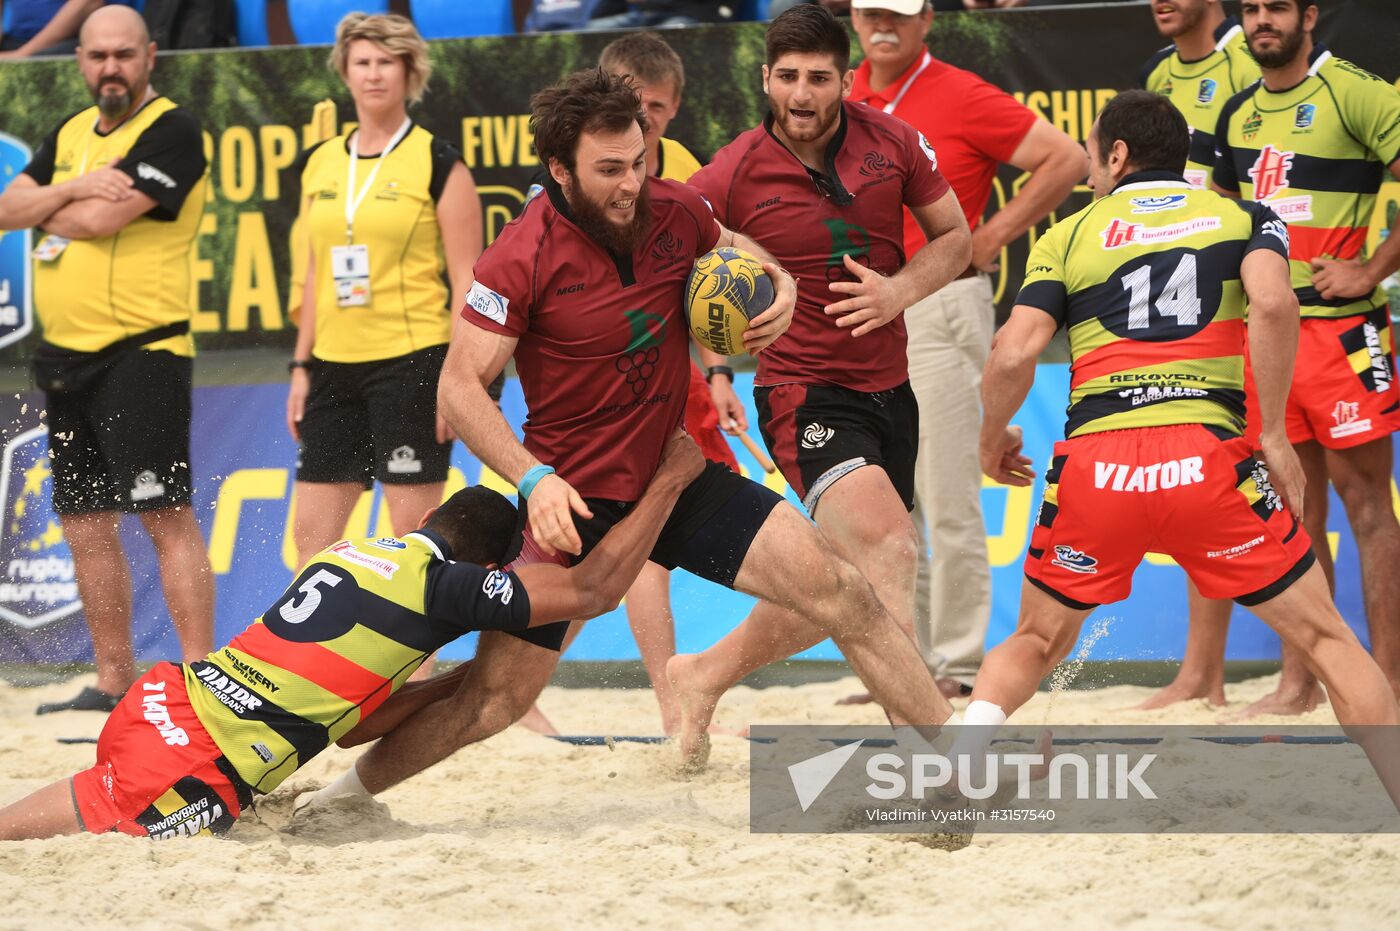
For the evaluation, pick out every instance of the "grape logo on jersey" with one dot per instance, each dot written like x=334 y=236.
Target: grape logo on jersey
x=1206 y=92
x=1270 y=172
x=1158 y=203
x=637 y=363
x=16 y=301
x=498 y=585
x=1067 y=557
x=1120 y=233
x=1303 y=116
x=38 y=583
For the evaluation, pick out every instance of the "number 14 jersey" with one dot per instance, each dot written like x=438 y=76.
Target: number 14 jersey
x=1147 y=282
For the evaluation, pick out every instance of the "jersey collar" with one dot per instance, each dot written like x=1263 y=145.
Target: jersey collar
x=828 y=183
x=434 y=541
x=129 y=117
x=1316 y=59
x=1139 y=180
x=1227 y=28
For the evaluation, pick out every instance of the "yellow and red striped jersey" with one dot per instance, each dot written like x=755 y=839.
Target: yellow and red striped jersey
x=356 y=622
x=1316 y=154
x=1147 y=282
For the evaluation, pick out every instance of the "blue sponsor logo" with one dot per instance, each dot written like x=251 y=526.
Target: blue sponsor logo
x=389 y=543
x=16 y=300
x=1158 y=203
x=1303 y=116
x=1067 y=557
x=38 y=584
x=1206 y=92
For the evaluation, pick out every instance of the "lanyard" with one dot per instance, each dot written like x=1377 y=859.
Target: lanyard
x=353 y=200
x=927 y=60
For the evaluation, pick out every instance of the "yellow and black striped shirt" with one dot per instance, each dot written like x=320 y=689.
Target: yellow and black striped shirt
x=1199 y=89
x=1147 y=281
x=356 y=622
x=1316 y=155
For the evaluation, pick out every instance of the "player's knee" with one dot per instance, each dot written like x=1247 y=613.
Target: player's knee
x=849 y=603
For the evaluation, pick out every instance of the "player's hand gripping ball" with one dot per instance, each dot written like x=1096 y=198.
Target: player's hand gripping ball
x=726 y=290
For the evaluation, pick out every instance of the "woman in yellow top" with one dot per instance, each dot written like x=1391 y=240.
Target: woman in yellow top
x=384 y=209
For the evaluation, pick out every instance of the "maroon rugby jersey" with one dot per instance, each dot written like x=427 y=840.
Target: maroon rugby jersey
x=603 y=357
x=875 y=165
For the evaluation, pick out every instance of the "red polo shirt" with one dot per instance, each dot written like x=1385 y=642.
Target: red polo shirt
x=973 y=125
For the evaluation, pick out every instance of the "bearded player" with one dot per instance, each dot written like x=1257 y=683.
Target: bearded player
x=822 y=183
x=585 y=289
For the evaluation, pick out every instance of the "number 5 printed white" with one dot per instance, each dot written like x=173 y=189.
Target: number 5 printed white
x=295 y=612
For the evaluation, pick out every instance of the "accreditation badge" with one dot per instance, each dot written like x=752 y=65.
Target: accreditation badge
x=350 y=269
x=50 y=248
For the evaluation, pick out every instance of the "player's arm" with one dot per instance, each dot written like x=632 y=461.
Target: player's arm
x=774 y=321
x=595 y=586
x=1343 y=278
x=874 y=299
x=459 y=219
x=1006 y=381
x=598 y=583
x=1056 y=164
x=733 y=419
x=1273 y=344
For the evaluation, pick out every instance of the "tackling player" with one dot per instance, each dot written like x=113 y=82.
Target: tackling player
x=188 y=746
x=1150 y=280
x=1207 y=63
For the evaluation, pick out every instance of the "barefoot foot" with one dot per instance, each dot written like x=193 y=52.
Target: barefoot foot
x=1291 y=701
x=697 y=709
x=1212 y=692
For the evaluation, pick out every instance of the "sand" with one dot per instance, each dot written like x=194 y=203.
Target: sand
x=524 y=832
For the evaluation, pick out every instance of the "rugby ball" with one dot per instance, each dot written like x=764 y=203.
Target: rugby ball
x=727 y=289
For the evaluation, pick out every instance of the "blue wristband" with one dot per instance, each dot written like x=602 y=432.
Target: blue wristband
x=530 y=479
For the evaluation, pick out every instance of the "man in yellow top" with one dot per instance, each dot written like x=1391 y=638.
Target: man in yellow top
x=118 y=189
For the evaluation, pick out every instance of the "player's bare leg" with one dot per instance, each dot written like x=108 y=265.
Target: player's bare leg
x=1362 y=476
x=186 y=577
x=45 y=813
x=1298 y=691
x=407 y=504
x=654 y=628
x=1202 y=672
x=104 y=584
x=1045 y=633
x=809 y=592
x=321 y=510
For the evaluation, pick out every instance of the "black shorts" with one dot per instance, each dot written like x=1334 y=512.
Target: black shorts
x=123 y=442
x=374 y=420
x=818 y=433
x=708 y=533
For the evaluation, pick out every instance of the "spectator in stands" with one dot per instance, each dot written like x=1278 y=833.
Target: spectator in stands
x=651 y=14
x=384 y=209
x=842 y=7
x=44 y=27
x=973 y=126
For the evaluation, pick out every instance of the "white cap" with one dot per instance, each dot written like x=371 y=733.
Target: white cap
x=903 y=7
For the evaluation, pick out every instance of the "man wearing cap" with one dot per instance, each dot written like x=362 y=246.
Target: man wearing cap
x=974 y=127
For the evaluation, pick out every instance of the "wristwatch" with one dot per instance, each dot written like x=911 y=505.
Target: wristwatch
x=295 y=364
x=724 y=370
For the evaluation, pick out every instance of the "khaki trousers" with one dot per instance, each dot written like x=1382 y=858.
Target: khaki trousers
x=950 y=334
